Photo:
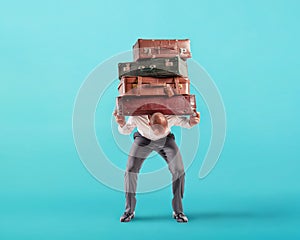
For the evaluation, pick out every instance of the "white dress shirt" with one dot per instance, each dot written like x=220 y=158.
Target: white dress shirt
x=143 y=127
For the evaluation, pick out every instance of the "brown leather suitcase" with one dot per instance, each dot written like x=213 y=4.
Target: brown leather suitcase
x=161 y=48
x=143 y=105
x=154 y=67
x=154 y=86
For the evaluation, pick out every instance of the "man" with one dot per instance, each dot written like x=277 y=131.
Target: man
x=153 y=134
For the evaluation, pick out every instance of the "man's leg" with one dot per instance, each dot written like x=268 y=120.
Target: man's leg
x=170 y=152
x=138 y=153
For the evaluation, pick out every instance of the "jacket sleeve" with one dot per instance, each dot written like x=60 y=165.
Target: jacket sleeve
x=128 y=127
x=179 y=121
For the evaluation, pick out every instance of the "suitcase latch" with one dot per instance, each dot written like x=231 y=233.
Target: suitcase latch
x=126 y=68
x=168 y=63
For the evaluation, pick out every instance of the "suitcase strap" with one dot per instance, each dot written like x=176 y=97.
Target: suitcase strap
x=169 y=91
x=139 y=85
x=177 y=85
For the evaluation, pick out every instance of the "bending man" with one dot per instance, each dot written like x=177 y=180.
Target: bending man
x=154 y=134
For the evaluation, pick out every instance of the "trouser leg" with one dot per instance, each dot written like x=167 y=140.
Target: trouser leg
x=170 y=152
x=138 y=153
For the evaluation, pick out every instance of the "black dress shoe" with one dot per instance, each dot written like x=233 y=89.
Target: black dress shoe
x=180 y=217
x=126 y=217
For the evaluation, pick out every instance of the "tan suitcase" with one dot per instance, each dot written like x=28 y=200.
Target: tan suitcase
x=161 y=48
x=143 y=86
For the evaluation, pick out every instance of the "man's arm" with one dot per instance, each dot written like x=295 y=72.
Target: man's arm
x=184 y=121
x=125 y=127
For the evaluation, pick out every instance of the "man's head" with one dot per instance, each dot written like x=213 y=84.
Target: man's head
x=158 y=123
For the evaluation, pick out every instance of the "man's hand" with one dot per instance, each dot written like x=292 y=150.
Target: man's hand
x=119 y=119
x=194 y=120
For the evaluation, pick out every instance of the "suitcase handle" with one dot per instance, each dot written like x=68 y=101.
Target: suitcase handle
x=147 y=69
x=155 y=84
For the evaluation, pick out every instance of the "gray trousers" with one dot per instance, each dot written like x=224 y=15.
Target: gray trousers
x=140 y=150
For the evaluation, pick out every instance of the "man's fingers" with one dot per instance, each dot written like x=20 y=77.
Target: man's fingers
x=195 y=119
x=120 y=118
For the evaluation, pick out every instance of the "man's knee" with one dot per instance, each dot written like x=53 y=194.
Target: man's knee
x=134 y=165
x=177 y=171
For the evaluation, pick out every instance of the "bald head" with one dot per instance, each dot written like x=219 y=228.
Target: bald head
x=158 y=123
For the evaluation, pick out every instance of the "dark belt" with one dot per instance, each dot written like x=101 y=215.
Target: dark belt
x=137 y=134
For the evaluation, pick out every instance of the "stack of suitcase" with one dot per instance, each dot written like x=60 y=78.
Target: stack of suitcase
x=157 y=80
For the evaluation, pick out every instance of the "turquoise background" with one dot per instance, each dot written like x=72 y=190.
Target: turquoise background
x=250 y=48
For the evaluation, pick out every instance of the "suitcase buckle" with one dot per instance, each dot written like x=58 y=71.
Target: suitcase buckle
x=147 y=51
x=183 y=50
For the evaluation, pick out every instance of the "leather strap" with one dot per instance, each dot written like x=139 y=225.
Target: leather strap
x=139 y=85
x=169 y=91
x=176 y=79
